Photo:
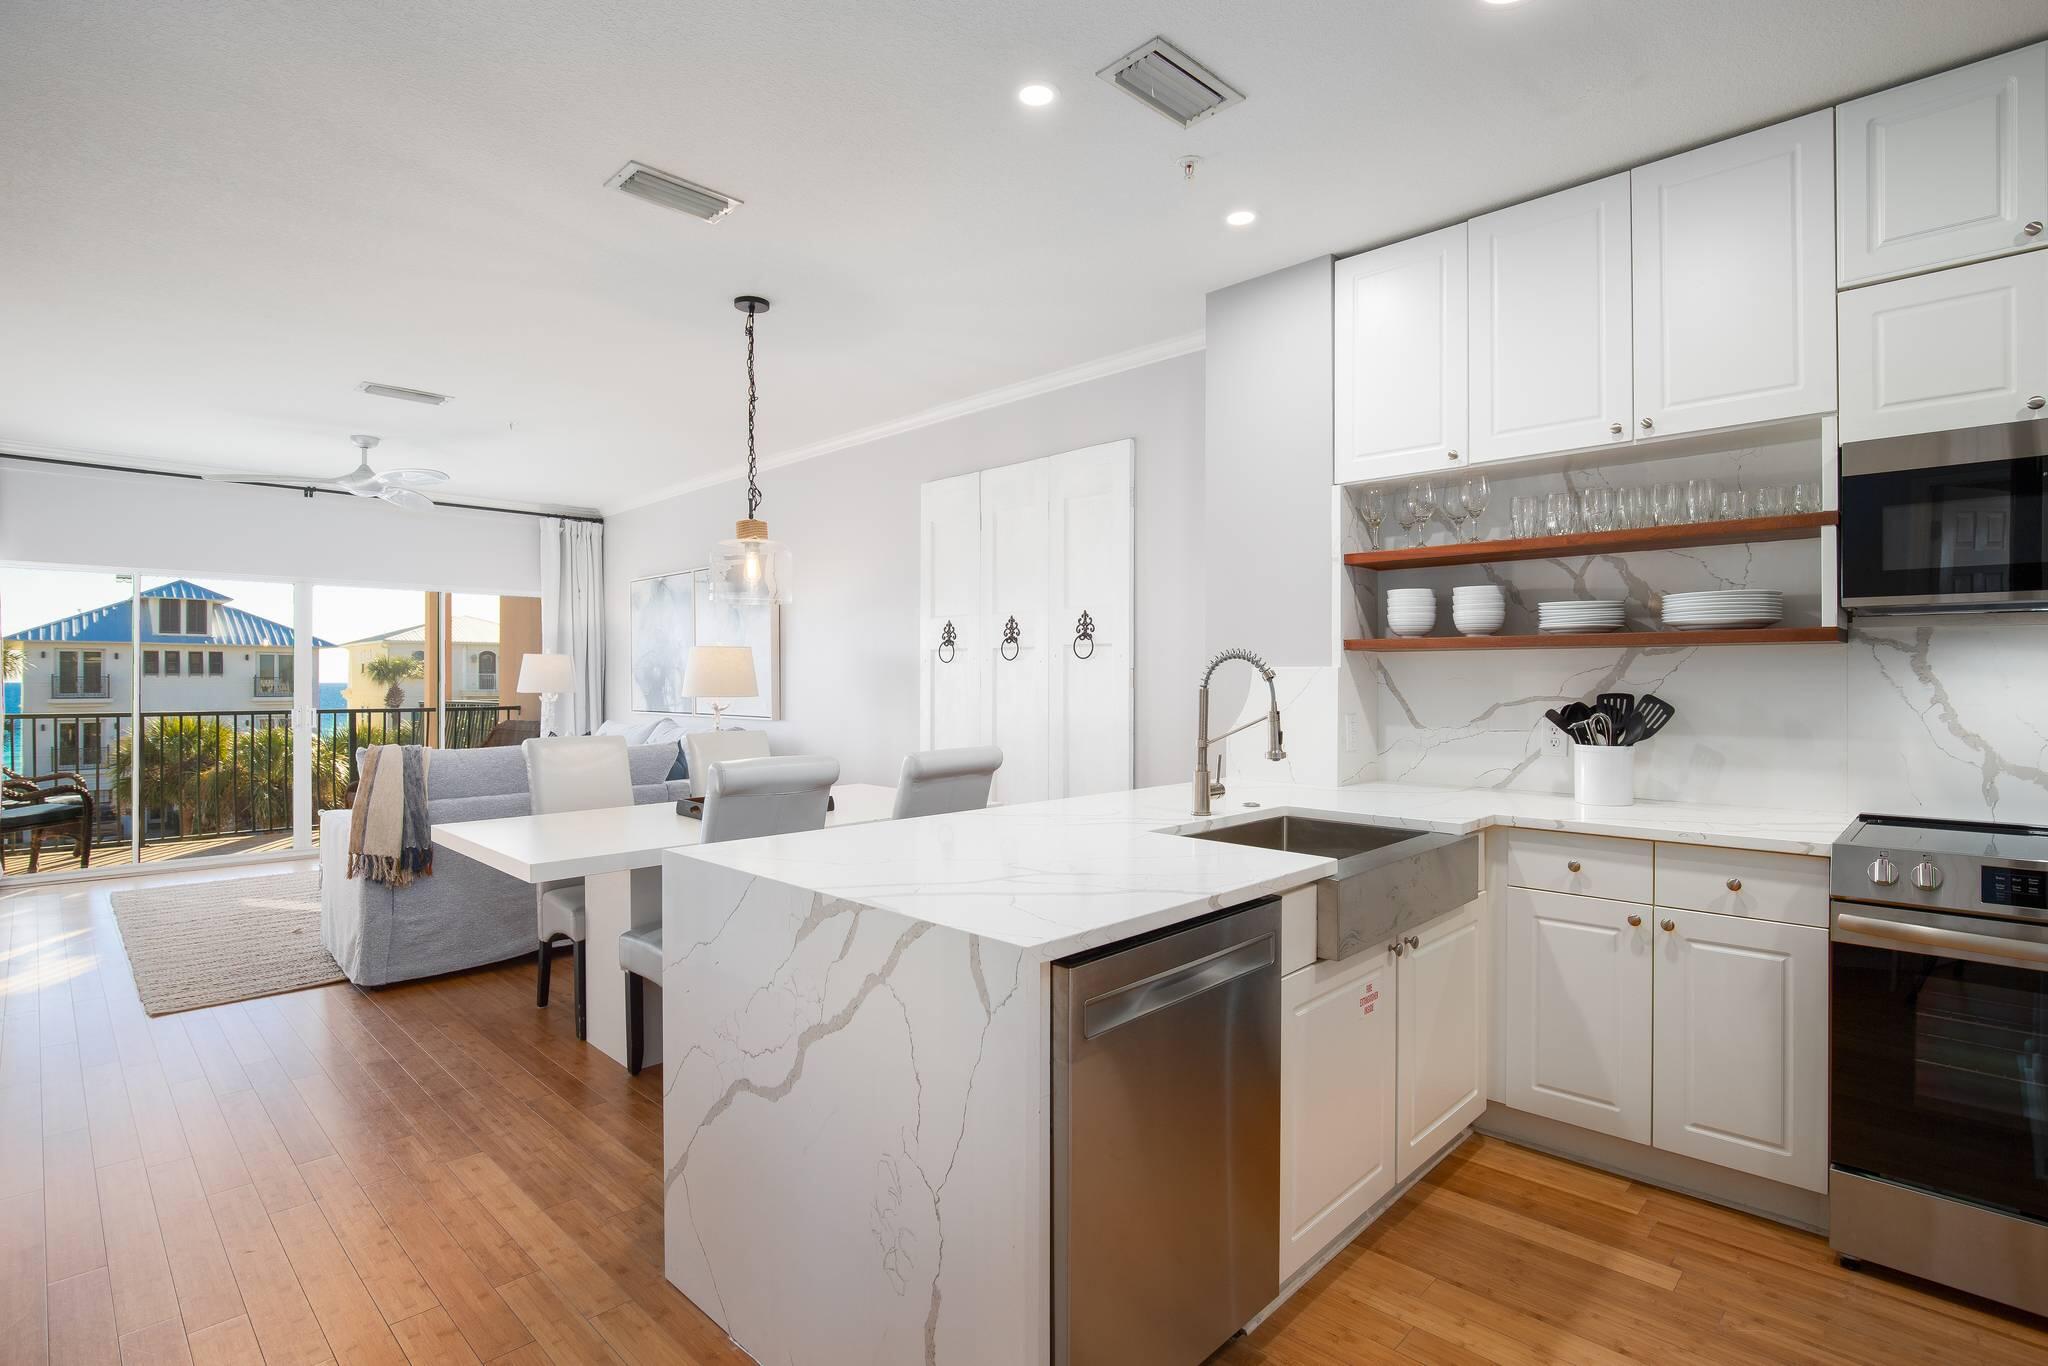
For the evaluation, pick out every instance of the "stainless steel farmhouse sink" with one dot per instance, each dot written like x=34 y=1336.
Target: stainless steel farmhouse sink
x=1387 y=879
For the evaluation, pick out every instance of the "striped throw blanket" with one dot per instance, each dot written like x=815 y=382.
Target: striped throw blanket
x=389 y=839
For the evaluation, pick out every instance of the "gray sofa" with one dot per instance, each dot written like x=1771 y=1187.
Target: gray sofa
x=464 y=915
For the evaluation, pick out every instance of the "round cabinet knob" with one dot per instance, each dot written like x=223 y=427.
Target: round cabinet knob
x=1734 y=884
x=2038 y=402
x=1635 y=922
x=1883 y=872
x=1926 y=876
x=1647 y=424
x=1398 y=948
x=1670 y=926
x=1573 y=865
x=2032 y=229
x=1450 y=455
x=1615 y=428
x=1412 y=942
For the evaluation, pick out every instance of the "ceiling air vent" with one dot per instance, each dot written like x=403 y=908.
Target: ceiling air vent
x=672 y=192
x=1161 y=76
x=400 y=391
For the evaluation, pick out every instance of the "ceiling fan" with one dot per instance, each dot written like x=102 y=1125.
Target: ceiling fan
x=400 y=488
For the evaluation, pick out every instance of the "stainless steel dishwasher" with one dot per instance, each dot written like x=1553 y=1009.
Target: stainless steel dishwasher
x=1166 y=1141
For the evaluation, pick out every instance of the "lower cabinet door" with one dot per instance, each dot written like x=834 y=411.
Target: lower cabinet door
x=1336 y=1099
x=1742 y=1045
x=1575 y=1009
x=1440 y=1000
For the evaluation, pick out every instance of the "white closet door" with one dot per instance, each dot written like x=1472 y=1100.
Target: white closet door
x=1090 y=535
x=1552 y=363
x=1015 y=587
x=951 y=681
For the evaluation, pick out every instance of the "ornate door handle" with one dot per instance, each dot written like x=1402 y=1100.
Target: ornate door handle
x=949 y=644
x=1084 y=630
x=1012 y=636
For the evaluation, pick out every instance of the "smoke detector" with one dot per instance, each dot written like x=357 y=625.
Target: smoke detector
x=672 y=192
x=1163 y=78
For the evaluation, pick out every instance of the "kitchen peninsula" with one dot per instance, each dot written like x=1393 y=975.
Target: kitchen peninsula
x=857 y=1107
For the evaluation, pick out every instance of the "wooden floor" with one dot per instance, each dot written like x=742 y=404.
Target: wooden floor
x=61 y=856
x=438 y=1172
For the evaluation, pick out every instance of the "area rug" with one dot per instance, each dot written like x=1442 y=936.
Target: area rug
x=207 y=943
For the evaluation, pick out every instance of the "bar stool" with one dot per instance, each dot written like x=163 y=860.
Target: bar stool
x=570 y=773
x=942 y=780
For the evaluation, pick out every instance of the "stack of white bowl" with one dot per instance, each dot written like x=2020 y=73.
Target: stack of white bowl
x=1411 y=611
x=1597 y=614
x=1479 y=610
x=1723 y=608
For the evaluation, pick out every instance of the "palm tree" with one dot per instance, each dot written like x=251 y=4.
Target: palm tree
x=392 y=671
x=12 y=662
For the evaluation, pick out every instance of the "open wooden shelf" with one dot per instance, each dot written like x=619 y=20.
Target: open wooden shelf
x=1798 y=526
x=1608 y=640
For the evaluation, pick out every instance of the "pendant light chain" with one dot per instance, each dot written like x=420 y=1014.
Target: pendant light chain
x=753 y=468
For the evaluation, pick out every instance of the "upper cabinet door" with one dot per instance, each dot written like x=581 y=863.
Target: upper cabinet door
x=1735 y=281
x=1400 y=359
x=1950 y=169
x=1550 y=346
x=1959 y=348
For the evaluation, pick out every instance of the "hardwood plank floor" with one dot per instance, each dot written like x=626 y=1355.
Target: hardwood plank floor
x=438 y=1172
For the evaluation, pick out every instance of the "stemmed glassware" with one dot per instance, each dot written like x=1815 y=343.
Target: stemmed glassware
x=1372 y=510
x=1407 y=513
x=1423 y=492
x=1477 y=495
x=1452 y=501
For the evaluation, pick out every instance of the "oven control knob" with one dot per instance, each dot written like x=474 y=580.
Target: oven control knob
x=1883 y=872
x=1926 y=876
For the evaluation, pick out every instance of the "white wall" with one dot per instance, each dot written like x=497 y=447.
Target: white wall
x=849 y=659
x=58 y=516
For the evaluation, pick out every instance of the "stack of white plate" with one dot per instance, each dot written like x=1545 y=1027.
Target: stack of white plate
x=1575 y=615
x=1479 y=610
x=1723 y=609
x=1411 y=611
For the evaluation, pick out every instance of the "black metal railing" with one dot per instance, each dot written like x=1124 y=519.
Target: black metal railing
x=214 y=774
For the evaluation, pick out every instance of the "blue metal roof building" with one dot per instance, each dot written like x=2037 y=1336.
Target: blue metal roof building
x=109 y=625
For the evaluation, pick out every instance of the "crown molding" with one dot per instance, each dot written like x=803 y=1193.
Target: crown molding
x=1100 y=368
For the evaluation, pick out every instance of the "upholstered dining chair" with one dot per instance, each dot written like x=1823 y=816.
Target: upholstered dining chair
x=743 y=799
x=571 y=773
x=941 y=780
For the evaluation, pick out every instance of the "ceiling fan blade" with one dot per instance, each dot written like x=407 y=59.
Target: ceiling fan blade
x=404 y=498
x=412 y=478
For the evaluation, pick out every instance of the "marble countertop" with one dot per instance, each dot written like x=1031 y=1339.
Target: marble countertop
x=1055 y=878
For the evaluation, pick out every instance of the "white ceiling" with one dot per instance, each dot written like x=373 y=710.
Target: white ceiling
x=216 y=216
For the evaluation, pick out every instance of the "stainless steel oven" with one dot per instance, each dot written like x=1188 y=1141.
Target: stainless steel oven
x=1946 y=521
x=1938 y=1073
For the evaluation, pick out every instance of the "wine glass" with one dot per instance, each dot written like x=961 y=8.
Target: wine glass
x=1423 y=491
x=1408 y=514
x=1477 y=495
x=1372 y=510
x=1453 y=504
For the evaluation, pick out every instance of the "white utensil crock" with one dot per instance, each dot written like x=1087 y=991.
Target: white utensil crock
x=1603 y=775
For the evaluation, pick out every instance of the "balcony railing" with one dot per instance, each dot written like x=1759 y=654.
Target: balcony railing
x=209 y=774
x=273 y=687
x=79 y=690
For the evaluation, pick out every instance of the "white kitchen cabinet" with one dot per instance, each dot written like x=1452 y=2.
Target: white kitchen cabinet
x=1337 y=1099
x=952 y=670
x=1966 y=347
x=1949 y=169
x=1551 y=363
x=1574 y=1003
x=1400 y=321
x=1734 y=280
x=1741 y=1051
x=1440 y=1002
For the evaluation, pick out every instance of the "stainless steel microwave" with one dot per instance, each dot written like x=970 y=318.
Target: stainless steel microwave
x=1947 y=521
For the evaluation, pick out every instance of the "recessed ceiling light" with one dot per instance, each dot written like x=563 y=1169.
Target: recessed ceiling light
x=1038 y=94
x=1502 y=2
x=1240 y=218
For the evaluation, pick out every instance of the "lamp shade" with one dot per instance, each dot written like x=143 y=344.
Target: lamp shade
x=549 y=674
x=715 y=671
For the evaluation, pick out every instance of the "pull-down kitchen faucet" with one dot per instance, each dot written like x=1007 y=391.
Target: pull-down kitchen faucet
x=1205 y=785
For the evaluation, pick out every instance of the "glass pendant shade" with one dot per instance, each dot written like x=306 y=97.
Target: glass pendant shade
x=750 y=569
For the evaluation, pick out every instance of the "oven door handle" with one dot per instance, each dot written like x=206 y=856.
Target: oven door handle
x=2017 y=945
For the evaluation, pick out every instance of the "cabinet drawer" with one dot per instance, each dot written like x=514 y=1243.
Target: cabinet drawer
x=1792 y=888
x=1584 y=865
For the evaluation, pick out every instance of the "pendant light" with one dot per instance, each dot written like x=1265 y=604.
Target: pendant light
x=750 y=569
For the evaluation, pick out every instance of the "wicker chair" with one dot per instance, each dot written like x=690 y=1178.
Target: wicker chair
x=50 y=802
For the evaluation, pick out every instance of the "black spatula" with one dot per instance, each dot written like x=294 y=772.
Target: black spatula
x=1650 y=716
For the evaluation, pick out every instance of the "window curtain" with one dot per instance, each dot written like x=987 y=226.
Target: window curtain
x=572 y=621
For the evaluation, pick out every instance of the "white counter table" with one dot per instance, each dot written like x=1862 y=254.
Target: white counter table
x=856 y=1110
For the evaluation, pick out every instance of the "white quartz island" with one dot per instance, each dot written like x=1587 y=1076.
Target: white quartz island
x=856 y=1111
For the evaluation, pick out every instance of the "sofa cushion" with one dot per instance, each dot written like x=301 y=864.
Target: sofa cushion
x=461 y=773
x=489 y=807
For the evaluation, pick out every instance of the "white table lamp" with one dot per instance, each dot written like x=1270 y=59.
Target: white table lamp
x=552 y=676
x=718 y=672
